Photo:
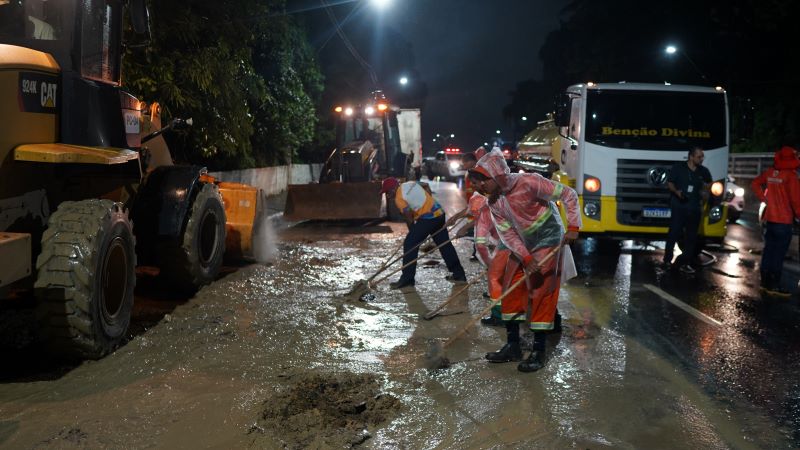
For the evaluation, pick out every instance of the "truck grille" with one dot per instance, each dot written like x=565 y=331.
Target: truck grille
x=635 y=191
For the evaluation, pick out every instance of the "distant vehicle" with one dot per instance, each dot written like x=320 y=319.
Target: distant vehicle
x=508 y=147
x=446 y=164
x=538 y=151
x=734 y=197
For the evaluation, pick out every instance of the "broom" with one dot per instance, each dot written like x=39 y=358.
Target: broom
x=362 y=287
x=435 y=357
x=455 y=295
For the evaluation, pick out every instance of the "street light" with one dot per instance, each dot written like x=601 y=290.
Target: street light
x=452 y=135
x=671 y=50
x=524 y=118
x=403 y=81
x=381 y=4
x=497 y=131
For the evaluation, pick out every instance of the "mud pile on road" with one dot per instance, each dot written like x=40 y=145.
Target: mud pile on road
x=326 y=410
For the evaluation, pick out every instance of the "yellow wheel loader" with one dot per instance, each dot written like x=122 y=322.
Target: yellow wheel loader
x=374 y=140
x=82 y=199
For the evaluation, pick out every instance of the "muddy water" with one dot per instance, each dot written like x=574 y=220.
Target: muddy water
x=217 y=371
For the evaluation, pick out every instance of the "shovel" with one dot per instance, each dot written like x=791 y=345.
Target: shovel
x=455 y=295
x=435 y=357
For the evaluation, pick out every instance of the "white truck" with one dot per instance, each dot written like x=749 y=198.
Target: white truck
x=619 y=141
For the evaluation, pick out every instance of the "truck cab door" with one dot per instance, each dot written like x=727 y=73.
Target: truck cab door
x=571 y=146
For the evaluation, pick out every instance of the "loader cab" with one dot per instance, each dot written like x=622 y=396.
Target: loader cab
x=85 y=39
x=375 y=123
x=83 y=36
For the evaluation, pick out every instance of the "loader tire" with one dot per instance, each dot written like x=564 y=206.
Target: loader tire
x=85 y=279
x=195 y=260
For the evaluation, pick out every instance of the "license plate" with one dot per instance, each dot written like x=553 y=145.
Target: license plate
x=662 y=213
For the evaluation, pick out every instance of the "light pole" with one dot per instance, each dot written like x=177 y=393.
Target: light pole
x=671 y=50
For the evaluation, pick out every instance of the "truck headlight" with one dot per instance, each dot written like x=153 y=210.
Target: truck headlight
x=717 y=188
x=739 y=192
x=591 y=209
x=715 y=214
x=454 y=165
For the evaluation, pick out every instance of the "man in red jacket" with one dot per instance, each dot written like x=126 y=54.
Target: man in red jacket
x=782 y=196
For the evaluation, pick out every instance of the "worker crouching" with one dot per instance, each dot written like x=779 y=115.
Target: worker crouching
x=528 y=224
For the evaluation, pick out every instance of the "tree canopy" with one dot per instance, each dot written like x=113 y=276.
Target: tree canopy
x=242 y=70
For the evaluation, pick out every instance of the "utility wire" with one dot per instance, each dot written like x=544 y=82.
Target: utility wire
x=349 y=45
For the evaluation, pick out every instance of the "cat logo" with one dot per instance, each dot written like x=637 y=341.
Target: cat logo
x=38 y=92
x=48 y=94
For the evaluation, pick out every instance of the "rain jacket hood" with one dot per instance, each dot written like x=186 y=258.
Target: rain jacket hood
x=786 y=159
x=493 y=165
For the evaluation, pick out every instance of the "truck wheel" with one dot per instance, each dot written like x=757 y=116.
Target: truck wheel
x=86 y=275
x=195 y=260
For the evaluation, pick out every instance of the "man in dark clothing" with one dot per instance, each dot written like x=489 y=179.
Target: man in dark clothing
x=782 y=196
x=688 y=182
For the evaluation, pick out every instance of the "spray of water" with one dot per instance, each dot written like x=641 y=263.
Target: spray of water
x=265 y=249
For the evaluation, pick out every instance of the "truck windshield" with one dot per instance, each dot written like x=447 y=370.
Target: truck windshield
x=37 y=24
x=655 y=120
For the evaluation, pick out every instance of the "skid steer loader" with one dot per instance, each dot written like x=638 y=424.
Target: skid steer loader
x=373 y=140
x=87 y=187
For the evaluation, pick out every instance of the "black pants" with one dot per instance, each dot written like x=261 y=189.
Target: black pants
x=417 y=233
x=776 y=244
x=683 y=222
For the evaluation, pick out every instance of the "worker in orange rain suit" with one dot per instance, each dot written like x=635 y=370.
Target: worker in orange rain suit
x=498 y=261
x=529 y=225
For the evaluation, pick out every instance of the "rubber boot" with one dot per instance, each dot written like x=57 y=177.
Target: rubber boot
x=557 y=323
x=511 y=351
x=495 y=319
x=536 y=359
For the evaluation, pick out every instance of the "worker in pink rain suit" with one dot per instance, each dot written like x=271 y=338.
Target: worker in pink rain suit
x=527 y=221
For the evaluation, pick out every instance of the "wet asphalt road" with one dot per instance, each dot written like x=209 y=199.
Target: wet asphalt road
x=647 y=359
x=734 y=345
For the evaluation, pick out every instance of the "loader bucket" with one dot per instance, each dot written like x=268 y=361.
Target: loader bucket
x=334 y=201
x=244 y=208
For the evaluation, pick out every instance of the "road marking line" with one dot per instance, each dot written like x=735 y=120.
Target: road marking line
x=680 y=304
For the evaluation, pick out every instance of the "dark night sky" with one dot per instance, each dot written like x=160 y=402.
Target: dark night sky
x=469 y=53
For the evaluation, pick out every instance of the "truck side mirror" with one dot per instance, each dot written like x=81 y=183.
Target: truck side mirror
x=140 y=19
x=563 y=109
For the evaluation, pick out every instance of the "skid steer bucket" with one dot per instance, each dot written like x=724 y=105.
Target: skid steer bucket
x=334 y=201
